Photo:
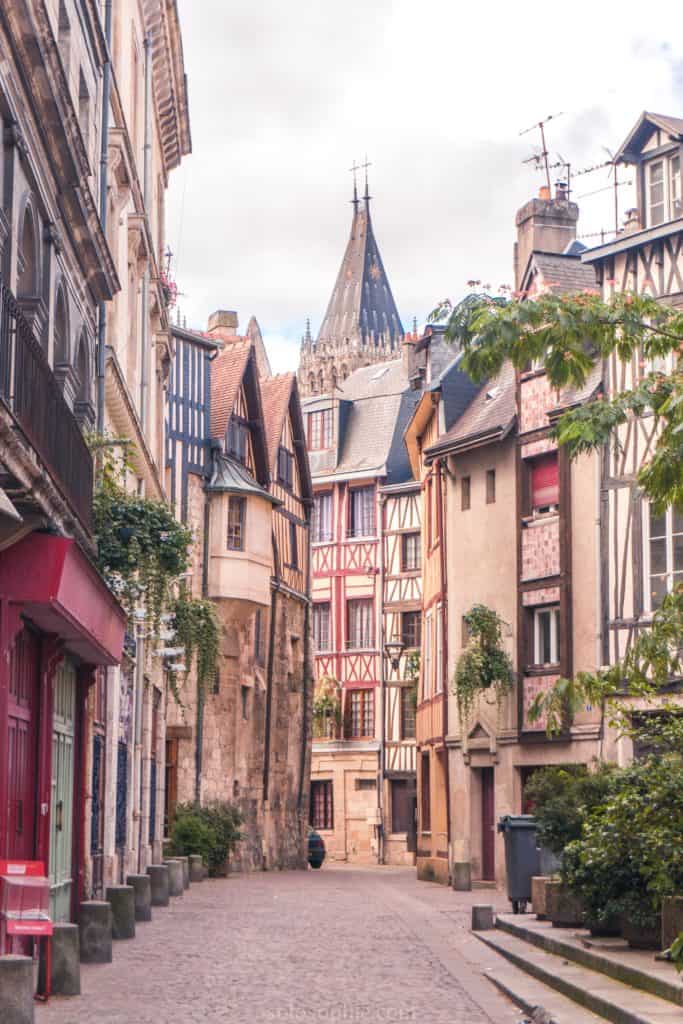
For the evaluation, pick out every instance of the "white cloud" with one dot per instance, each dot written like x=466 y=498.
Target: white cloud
x=284 y=96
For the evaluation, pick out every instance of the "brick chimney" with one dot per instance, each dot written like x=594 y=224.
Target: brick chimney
x=544 y=224
x=223 y=322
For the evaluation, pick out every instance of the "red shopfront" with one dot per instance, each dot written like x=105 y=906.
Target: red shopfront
x=58 y=623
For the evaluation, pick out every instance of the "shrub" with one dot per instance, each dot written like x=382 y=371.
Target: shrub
x=212 y=831
x=562 y=798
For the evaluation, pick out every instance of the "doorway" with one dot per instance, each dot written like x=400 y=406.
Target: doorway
x=61 y=821
x=488 y=825
x=22 y=746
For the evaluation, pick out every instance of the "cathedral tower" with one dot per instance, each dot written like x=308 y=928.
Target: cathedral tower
x=361 y=325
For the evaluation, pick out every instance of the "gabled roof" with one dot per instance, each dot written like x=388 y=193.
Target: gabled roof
x=489 y=417
x=559 y=272
x=362 y=305
x=641 y=132
x=231 y=477
x=279 y=396
x=226 y=377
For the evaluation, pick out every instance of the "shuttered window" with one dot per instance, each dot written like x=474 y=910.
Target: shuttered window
x=545 y=486
x=362 y=512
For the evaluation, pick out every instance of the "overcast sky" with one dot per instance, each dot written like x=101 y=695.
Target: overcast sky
x=285 y=94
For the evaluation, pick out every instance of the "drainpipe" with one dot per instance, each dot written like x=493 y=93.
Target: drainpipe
x=139 y=690
x=146 y=160
x=275 y=587
x=104 y=181
x=307 y=680
x=383 y=684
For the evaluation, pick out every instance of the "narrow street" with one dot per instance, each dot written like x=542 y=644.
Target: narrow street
x=341 y=944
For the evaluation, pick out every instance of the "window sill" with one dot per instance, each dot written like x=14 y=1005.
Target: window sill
x=543 y=670
x=541 y=518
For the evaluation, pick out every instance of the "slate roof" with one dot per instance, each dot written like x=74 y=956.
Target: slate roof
x=562 y=272
x=276 y=393
x=362 y=305
x=226 y=377
x=231 y=477
x=491 y=413
x=575 y=396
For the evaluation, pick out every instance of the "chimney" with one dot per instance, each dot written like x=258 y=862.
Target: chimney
x=544 y=224
x=222 y=322
x=408 y=355
x=632 y=222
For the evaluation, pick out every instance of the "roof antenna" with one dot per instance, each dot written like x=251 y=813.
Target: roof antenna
x=354 y=169
x=543 y=155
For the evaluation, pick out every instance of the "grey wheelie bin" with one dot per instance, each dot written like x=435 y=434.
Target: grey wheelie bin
x=521 y=857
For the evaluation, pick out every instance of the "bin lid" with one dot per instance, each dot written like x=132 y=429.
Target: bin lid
x=510 y=821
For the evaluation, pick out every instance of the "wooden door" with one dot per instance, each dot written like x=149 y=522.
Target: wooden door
x=98 y=782
x=488 y=826
x=62 y=816
x=22 y=746
x=171 y=793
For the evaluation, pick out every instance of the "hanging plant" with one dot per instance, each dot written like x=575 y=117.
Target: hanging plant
x=327 y=708
x=483 y=663
x=412 y=672
x=198 y=631
x=141 y=548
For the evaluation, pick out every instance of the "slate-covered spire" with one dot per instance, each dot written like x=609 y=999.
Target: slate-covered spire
x=362 y=307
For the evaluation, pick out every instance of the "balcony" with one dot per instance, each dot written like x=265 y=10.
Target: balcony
x=30 y=391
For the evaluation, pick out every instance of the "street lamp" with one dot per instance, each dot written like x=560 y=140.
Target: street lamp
x=393 y=650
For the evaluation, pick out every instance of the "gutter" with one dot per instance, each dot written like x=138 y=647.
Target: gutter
x=104 y=181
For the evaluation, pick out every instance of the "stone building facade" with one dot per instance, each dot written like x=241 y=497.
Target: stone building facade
x=239 y=477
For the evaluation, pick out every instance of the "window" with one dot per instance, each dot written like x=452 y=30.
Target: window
x=322 y=518
x=407 y=713
x=238 y=440
x=675 y=197
x=664 y=555
x=438 y=626
x=359 y=624
x=545 y=484
x=656 y=198
x=293 y=546
x=259 y=637
x=245 y=702
x=490 y=486
x=427 y=659
x=546 y=636
x=321 y=626
x=411 y=628
x=464 y=493
x=236 y=515
x=365 y=784
x=285 y=468
x=401 y=806
x=320 y=430
x=322 y=816
x=362 y=512
x=411 y=552
x=361 y=713
x=425 y=802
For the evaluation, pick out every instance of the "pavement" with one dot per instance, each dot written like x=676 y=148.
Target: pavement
x=344 y=943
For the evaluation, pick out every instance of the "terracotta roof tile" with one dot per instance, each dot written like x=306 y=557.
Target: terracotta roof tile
x=226 y=377
x=275 y=396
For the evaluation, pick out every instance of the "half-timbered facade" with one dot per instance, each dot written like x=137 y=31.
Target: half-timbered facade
x=238 y=473
x=641 y=554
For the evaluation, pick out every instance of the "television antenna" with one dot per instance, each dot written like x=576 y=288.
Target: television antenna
x=541 y=159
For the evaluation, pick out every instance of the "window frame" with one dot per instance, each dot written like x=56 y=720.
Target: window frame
x=318 y=608
x=490 y=486
x=425 y=795
x=438 y=649
x=416 y=633
x=364 y=697
x=416 y=537
x=353 y=603
x=293 y=545
x=237 y=427
x=427 y=655
x=553 y=611
x=671 y=575
x=316 y=533
x=465 y=493
x=319 y=432
x=285 y=468
x=551 y=507
x=407 y=713
x=352 y=534
x=327 y=804
x=671 y=183
x=241 y=501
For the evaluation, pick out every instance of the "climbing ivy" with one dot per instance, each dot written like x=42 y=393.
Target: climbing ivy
x=483 y=663
x=198 y=631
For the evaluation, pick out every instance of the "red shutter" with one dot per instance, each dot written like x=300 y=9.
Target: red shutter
x=545 y=488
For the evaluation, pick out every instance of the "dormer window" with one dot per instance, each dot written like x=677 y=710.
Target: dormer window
x=319 y=430
x=238 y=440
x=663 y=190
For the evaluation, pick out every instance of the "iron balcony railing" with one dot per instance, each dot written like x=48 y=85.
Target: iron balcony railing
x=29 y=388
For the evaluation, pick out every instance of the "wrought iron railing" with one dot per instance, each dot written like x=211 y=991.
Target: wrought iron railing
x=30 y=390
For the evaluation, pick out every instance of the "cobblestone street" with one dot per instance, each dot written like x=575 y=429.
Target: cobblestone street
x=341 y=944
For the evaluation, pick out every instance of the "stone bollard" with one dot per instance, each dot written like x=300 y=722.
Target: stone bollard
x=16 y=989
x=175 y=877
x=462 y=876
x=482 y=917
x=158 y=877
x=122 y=900
x=65 y=960
x=185 y=861
x=142 y=888
x=538 y=904
x=94 y=932
x=196 y=868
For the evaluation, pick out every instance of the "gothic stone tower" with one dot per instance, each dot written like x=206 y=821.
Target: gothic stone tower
x=361 y=325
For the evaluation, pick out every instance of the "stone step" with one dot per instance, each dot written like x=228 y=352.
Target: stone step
x=612 y=957
x=602 y=995
x=530 y=995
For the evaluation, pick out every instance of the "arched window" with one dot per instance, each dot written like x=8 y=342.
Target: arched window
x=83 y=393
x=27 y=280
x=61 y=330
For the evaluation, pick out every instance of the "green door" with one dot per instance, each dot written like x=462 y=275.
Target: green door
x=61 y=829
